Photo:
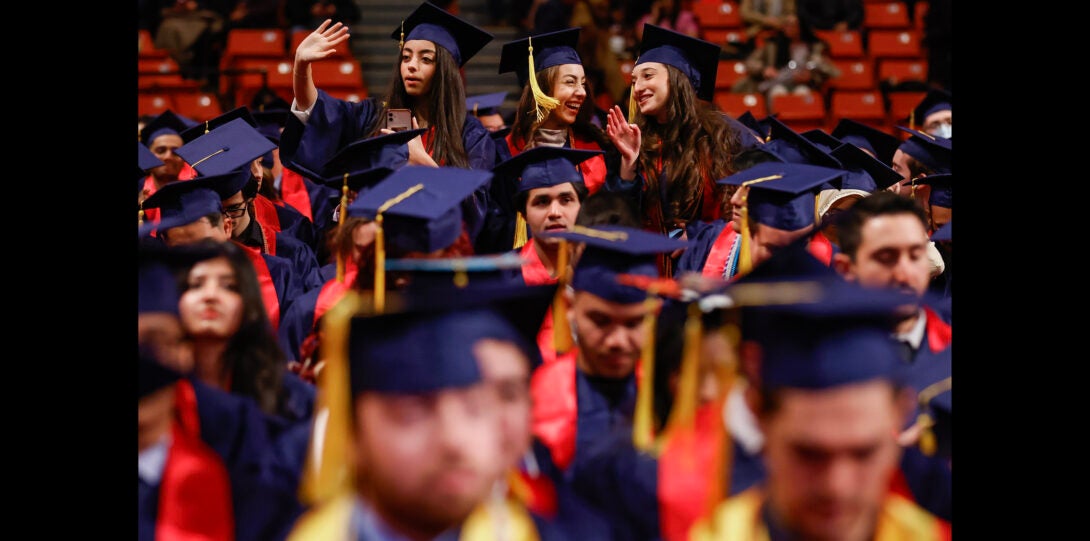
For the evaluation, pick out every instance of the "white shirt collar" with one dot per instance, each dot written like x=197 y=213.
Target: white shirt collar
x=741 y=422
x=915 y=336
x=152 y=460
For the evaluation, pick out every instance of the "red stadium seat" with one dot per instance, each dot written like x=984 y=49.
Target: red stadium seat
x=723 y=14
x=899 y=70
x=199 y=106
x=920 y=14
x=895 y=43
x=723 y=36
x=730 y=71
x=253 y=42
x=859 y=106
x=891 y=14
x=901 y=104
x=845 y=44
x=146 y=47
x=162 y=74
x=854 y=75
x=799 y=112
x=337 y=73
x=735 y=104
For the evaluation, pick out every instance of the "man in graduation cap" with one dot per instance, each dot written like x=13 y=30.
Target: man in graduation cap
x=237 y=145
x=829 y=402
x=940 y=212
x=934 y=114
x=162 y=136
x=921 y=154
x=486 y=107
x=579 y=400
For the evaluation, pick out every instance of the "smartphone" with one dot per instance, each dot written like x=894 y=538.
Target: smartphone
x=399 y=119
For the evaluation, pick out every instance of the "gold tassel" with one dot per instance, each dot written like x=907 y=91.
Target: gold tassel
x=545 y=103
x=912 y=119
x=643 y=419
x=206 y=126
x=745 y=261
x=817 y=215
x=721 y=468
x=401 y=40
x=520 y=231
x=340 y=224
x=684 y=411
x=330 y=472
x=562 y=341
x=140 y=215
x=380 y=267
x=928 y=444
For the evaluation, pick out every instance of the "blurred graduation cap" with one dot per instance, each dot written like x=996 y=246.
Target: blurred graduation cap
x=791 y=147
x=151 y=374
x=937 y=153
x=863 y=171
x=417 y=209
x=944 y=233
x=549 y=49
x=781 y=195
x=432 y=23
x=749 y=137
x=485 y=104
x=934 y=101
x=157 y=289
x=942 y=194
x=612 y=250
x=388 y=150
x=823 y=140
x=167 y=122
x=186 y=201
x=697 y=59
x=146 y=160
x=750 y=121
x=267 y=100
x=225 y=148
x=881 y=144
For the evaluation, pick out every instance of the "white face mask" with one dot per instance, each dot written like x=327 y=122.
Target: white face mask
x=945 y=131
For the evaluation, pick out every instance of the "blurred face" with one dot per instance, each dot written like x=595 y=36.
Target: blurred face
x=830 y=455
x=767 y=240
x=163 y=332
x=551 y=209
x=939 y=124
x=610 y=335
x=163 y=147
x=211 y=305
x=570 y=88
x=736 y=201
x=892 y=254
x=196 y=231
x=493 y=122
x=426 y=460
x=362 y=237
x=940 y=216
x=507 y=371
x=417 y=66
x=651 y=86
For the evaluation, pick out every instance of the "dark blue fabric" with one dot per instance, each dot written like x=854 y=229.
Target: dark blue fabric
x=620 y=481
x=285 y=281
x=702 y=236
x=298 y=322
x=304 y=262
x=930 y=481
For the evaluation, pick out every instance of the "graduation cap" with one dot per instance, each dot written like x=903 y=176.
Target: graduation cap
x=791 y=147
x=863 y=171
x=937 y=153
x=186 y=201
x=748 y=136
x=151 y=374
x=697 y=59
x=208 y=125
x=545 y=166
x=387 y=150
x=543 y=51
x=157 y=289
x=612 y=250
x=944 y=233
x=881 y=144
x=265 y=99
x=485 y=104
x=747 y=119
x=942 y=194
x=416 y=209
x=427 y=275
x=781 y=195
x=823 y=140
x=166 y=122
x=432 y=23
x=270 y=122
x=230 y=146
x=146 y=160
x=936 y=100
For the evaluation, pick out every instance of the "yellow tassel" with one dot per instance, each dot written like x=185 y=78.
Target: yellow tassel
x=745 y=261
x=817 y=215
x=721 y=468
x=928 y=445
x=140 y=215
x=520 y=231
x=643 y=419
x=562 y=341
x=340 y=224
x=912 y=119
x=684 y=411
x=545 y=103
x=401 y=40
x=328 y=471
x=206 y=126
x=380 y=267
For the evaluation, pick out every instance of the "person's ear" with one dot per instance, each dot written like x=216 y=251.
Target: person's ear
x=228 y=226
x=842 y=262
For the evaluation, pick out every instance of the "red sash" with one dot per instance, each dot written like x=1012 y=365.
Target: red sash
x=268 y=288
x=556 y=408
x=820 y=247
x=150 y=215
x=332 y=291
x=939 y=332
x=537 y=493
x=195 y=493
x=294 y=192
x=687 y=458
x=265 y=213
x=187 y=172
x=720 y=252
x=533 y=271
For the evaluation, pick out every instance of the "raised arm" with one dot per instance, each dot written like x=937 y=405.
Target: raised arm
x=320 y=44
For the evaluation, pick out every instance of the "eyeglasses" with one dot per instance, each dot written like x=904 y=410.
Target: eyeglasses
x=236 y=211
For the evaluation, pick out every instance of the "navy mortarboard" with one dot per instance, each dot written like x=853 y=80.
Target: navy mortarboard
x=544 y=166
x=184 y=202
x=265 y=99
x=748 y=136
x=228 y=147
x=548 y=50
x=942 y=194
x=208 y=125
x=937 y=153
x=432 y=23
x=790 y=146
x=880 y=144
x=863 y=171
x=747 y=119
x=695 y=58
x=146 y=161
x=485 y=104
x=935 y=101
x=388 y=150
x=823 y=140
x=166 y=122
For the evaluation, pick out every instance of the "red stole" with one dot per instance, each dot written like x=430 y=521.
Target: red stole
x=939 y=332
x=294 y=192
x=268 y=220
x=533 y=271
x=195 y=492
x=820 y=247
x=593 y=170
x=720 y=252
x=264 y=279
x=424 y=138
x=332 y=291
x=537 y=493
x=555 y=408
x=687 y=460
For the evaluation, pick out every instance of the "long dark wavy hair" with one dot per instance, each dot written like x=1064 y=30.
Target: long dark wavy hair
x=445 y=110
x=526 y=118
x=695 y=142
x=253 y=357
